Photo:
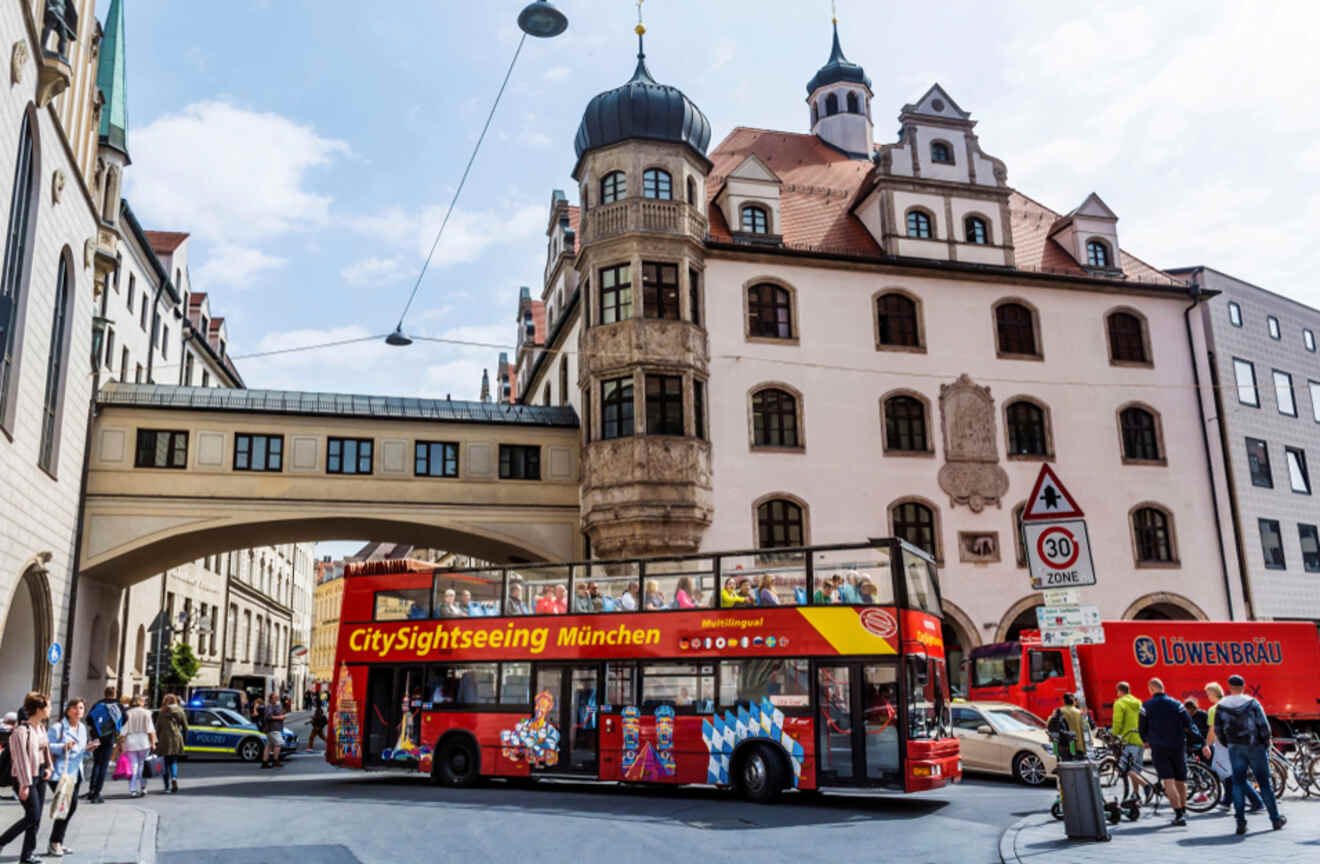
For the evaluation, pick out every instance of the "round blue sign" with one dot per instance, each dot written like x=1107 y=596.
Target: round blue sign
x=54 y=653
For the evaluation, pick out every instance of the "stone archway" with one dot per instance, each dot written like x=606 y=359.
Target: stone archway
x=27 y=631
x=960 y=637
x=1164 y=606
x=1020 y=616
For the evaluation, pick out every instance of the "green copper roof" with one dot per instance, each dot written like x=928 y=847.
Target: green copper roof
x=112 y=78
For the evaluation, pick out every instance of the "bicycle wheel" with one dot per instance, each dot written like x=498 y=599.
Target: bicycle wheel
x=1202 y=788
x=1278 y=776
x=1110 y=775
x=1312 y=774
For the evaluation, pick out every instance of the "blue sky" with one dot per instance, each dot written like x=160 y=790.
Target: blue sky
x=310 y=148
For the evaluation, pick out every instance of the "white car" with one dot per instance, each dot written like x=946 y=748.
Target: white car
x=1003 y=738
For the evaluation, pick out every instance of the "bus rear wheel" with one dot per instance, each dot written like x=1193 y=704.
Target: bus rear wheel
x=760 y=774
x=457 y=763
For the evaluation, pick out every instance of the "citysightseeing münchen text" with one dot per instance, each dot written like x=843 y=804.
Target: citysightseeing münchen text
x=421 y=640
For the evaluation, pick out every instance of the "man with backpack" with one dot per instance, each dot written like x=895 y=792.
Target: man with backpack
x=104 y=720
x=1240 y=722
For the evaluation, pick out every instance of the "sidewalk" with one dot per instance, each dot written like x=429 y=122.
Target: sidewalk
x=111 y=833
x=1210 y=837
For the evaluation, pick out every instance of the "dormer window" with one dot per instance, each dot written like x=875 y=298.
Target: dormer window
x=918 y=225
x=941 y=153
x=831 y=105
x=613 y=187
x=755 y=220
x=976 y=230
x=853 y=107
x=657 y=184
x=1097 y=254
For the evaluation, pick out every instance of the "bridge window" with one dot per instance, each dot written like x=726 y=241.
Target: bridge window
x=436 y=459
x=161 y=448
x=348 y=456
x=520 y=462
x=660 y=290
x=258 y=452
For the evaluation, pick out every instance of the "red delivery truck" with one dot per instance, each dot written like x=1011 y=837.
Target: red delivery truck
x=1279 y=660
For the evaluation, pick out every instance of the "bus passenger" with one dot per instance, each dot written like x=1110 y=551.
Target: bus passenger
x=848 y=592
x=581 y=599
x=683 y=594
x=745 y=592
x=449 y=609
x=827 y=593
x=766 y=595
x=654 y=599
x=867 y=589
x=597 y=601
x=628 y=599
x=545 y=604
x=561 y=599
x=729 y=595
x=516 y=605
x=465 y=602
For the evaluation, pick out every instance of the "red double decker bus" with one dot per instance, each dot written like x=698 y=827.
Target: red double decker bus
x=802 y=668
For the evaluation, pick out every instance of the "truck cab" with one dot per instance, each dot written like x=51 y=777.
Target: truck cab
x=1024 y=673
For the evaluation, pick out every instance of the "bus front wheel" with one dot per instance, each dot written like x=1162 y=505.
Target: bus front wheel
x=457 y=763
x=760 y=774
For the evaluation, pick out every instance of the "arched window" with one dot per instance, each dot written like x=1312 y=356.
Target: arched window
x=55 y=367
x=915 y=523
x=1025 y=422
x=613 y=187
x=975 y=229
x=905 y=425
x=1097 y=254
x=1141 y=439
x=769 y=312
x=778 y=524
x=1152 y=535
x=853 y=107
x=692 y=191
x=774 y=419
x=755 y=220
x=656 y=183
x=16 y=239
x=831 y=105
x=1127 y=342
x=941 y=153
x=918 y=225
x=896 y=321
x=1015 y=327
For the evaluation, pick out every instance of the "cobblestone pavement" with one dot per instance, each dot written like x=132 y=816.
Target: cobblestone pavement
x=110 y=833
x=1211 y=837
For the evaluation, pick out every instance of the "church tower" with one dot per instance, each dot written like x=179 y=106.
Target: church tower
x=839 y=98
x=641 y=166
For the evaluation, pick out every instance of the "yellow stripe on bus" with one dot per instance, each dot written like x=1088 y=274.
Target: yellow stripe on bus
x=842 y=628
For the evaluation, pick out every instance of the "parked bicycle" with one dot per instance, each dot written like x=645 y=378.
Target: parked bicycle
x=1203 y=785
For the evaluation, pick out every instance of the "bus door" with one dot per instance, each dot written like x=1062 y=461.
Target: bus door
x=394 y=716
x=857 y=725
x=574 y=690
x=382 y=713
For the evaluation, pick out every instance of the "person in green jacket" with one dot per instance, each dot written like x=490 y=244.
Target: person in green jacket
x=1126 y=726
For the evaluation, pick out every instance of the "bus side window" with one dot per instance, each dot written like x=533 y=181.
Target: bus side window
x=1045 y=665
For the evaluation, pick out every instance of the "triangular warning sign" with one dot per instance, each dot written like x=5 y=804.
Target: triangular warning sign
x=1049 y=499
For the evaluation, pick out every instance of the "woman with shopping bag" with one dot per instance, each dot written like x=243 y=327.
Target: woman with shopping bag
x=29 y=754
x=138 y=739
x=69 y=745
x=172 y=727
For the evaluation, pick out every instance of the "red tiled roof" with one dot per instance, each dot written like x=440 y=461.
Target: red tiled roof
x=165 y=242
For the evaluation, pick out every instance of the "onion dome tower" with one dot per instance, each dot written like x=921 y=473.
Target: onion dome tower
x=642 y=166
x=839 y=96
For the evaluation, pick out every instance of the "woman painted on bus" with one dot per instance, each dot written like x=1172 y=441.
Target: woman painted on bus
x=683 y=594
x=654 y=599
x=765 y=595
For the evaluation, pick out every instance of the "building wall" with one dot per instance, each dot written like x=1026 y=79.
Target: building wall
x=848 y=484
x=1292 y=591
x=326 y=601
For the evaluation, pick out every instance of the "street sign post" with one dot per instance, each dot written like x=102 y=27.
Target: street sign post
x=1058 y=554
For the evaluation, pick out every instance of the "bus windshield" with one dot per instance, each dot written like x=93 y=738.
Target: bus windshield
x=919 y=575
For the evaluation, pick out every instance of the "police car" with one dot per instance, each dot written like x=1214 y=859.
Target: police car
x=217 y=731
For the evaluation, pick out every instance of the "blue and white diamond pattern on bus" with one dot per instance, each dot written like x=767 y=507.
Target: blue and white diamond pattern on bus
x=722 y=734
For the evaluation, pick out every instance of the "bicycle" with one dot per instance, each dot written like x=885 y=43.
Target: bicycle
x=1203 y=787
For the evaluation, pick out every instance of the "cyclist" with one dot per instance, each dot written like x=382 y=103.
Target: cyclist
x=1126 y=728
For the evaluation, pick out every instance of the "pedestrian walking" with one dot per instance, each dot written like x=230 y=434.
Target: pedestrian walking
x=1167 y=728
x=172 y=732
x=318 y=722
x=137 y=740
x=104 y=722
x=31 y=765
x=258 y=708
x=1217 y=752
x=1127 y=729
x=70 y=742
x=1240 y=722
x=272 y=723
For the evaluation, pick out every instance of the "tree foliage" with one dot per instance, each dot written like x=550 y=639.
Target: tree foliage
x=183 y=664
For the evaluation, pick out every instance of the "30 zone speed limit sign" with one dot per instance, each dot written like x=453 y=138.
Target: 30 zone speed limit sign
x=1058 y=554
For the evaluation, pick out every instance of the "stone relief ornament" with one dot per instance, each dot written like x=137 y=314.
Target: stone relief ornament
x=17 y=60
x=89 y=252
x=978 y=547
x=971 y=474
x=57 y=186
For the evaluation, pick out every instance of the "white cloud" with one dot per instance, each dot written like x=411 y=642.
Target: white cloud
x=469 y=234
x=539 y=140
x=235 y=266
x=372 y=270
x=557 y=73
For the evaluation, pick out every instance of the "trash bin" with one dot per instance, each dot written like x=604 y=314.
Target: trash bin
x=1083 y=803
